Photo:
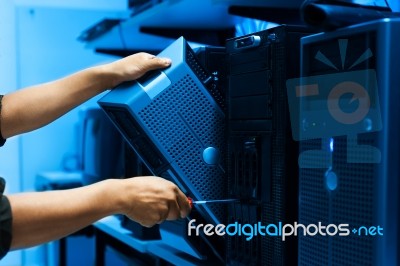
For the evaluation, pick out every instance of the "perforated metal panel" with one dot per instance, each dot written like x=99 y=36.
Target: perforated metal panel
x=353 y=203
x=184 y=130
x=355 y=200
x=194 y=64
x=209 y=181
x=171 y=128
x=314 y=207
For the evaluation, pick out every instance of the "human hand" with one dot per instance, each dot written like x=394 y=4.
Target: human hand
x=135 y=66
x=151 y=200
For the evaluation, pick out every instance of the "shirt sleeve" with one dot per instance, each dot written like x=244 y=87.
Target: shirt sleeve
x=5 y=222
x=2 y=140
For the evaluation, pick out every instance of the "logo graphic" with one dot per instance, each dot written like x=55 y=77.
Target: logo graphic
x=359 y=93
x=339 y=104
x=281 y=230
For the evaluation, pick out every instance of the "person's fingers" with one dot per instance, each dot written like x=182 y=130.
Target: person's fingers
x=156 y=200
x=157 y=62
x=159 y=216
x=184 y=205
x=174 y=210
x=147 y=224
x=135 y=66
x=147 y=55
x=152 y=61
x=164 y=213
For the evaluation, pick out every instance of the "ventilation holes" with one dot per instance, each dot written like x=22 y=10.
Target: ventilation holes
x=184 y=121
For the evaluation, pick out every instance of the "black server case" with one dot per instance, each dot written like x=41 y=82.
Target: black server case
x=355 y=177
x=262 y=156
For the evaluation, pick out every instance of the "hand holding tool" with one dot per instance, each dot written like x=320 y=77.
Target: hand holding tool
x=192 y=202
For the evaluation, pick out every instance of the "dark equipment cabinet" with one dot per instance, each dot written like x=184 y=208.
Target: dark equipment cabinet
x=262 y=156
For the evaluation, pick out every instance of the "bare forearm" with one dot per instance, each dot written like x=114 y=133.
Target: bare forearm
x=45 y=216
x=34 y=107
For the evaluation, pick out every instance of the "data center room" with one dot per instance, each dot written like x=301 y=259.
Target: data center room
x=199 y=132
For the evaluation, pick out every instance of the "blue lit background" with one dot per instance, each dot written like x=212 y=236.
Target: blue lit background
x=38 y=43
